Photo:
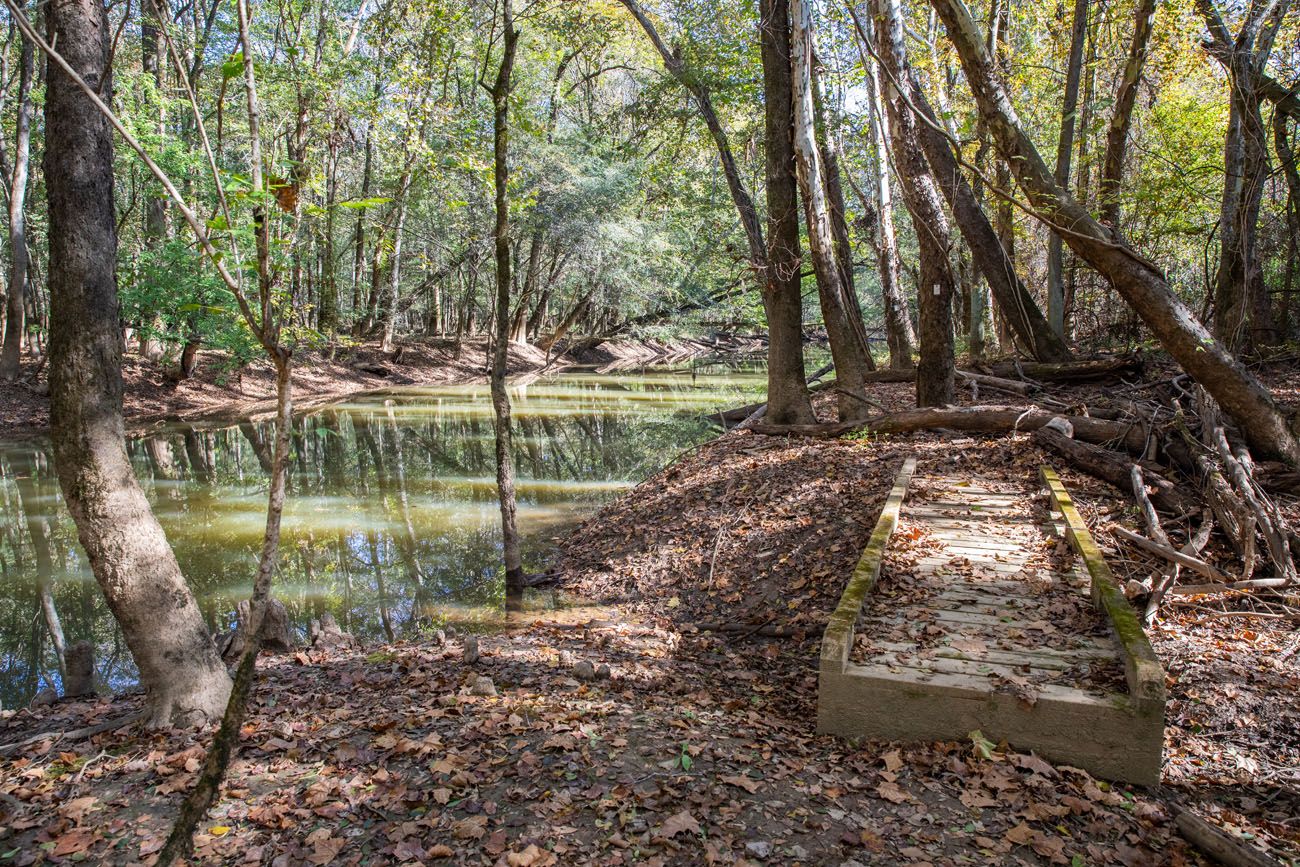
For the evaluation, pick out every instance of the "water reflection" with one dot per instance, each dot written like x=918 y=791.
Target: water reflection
x=392 y=519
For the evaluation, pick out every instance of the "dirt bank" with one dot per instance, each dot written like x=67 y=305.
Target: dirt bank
x=216 y=392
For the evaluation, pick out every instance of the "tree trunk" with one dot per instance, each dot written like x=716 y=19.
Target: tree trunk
x=124 y=544
x=846 y=349
x=15 y=308
x=1112 y=171
x=935 y=372
x=1014 y=298
x=519 y=322
x=155 y=208
x=395 y=261
x=787 y=388
x=1266 y=428
x=501 y=343
x=898 y=321
x=829 y=148
x=1242 y=318
x=1064 y=151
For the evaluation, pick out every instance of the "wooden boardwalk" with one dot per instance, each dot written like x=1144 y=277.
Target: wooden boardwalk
x=970 y=610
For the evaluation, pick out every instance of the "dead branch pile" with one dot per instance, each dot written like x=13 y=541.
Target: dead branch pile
x=1165 y=444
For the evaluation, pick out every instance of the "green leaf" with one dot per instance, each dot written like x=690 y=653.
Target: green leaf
x=365 y=203
x=233 y=67
x=983 y=746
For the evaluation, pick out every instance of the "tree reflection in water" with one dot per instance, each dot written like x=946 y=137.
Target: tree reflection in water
x=392 y=519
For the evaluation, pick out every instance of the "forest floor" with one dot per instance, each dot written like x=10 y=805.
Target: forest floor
x=700 y=746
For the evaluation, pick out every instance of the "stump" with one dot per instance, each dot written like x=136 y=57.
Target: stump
x=326 y=634
x=79 y=662
x=277 y=633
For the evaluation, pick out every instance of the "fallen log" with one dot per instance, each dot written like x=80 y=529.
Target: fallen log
x=1116 y=469
x=1015 y=386
x=973 y=419
x=1087 y=370
x=1223 y=848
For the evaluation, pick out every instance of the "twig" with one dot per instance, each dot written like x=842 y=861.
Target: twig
x=75 y=734
x=1196 y=564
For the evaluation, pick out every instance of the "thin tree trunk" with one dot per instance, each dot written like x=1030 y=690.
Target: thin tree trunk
x=501 y=342
x=124 y=544
x=1121 y=119
x=1242 y=318
x=898 y=322
x=1264 y=425
x=846 y=349
x=1064 y=152
x=395 y=261
x=15 y=309
x=935 y=372
x=828 y=145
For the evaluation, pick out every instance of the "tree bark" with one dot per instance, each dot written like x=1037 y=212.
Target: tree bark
x=935 y=372
x=15 y=308
x=1064 y=151
x=846 y=348
x=787 y=386
x=1112 y=171
x=501 y=343
x=898 y=321
x=1115 y=468
x=1013 y=297
x=829 y=147
x=1242 y=318
x=124 y=544
x=1266 y=427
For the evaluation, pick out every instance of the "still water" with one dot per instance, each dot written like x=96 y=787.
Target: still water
x=392 y=522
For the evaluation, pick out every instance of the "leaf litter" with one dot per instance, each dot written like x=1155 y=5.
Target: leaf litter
x=699 y=748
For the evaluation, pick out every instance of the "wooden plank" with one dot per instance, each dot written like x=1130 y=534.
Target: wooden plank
x=1044 y=656
x=988 y=668
x=1146 y=677
x=837 y=640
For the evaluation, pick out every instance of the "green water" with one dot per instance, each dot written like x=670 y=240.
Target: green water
x=392 y=522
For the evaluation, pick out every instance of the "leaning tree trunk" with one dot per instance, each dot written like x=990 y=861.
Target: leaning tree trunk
x=501 y=238
x=935 y=372
x=15 y=308
x=124 y=544
x=1267 y=429
x=846 y=348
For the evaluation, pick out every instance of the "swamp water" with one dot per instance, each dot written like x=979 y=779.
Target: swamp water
x=392 y=523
